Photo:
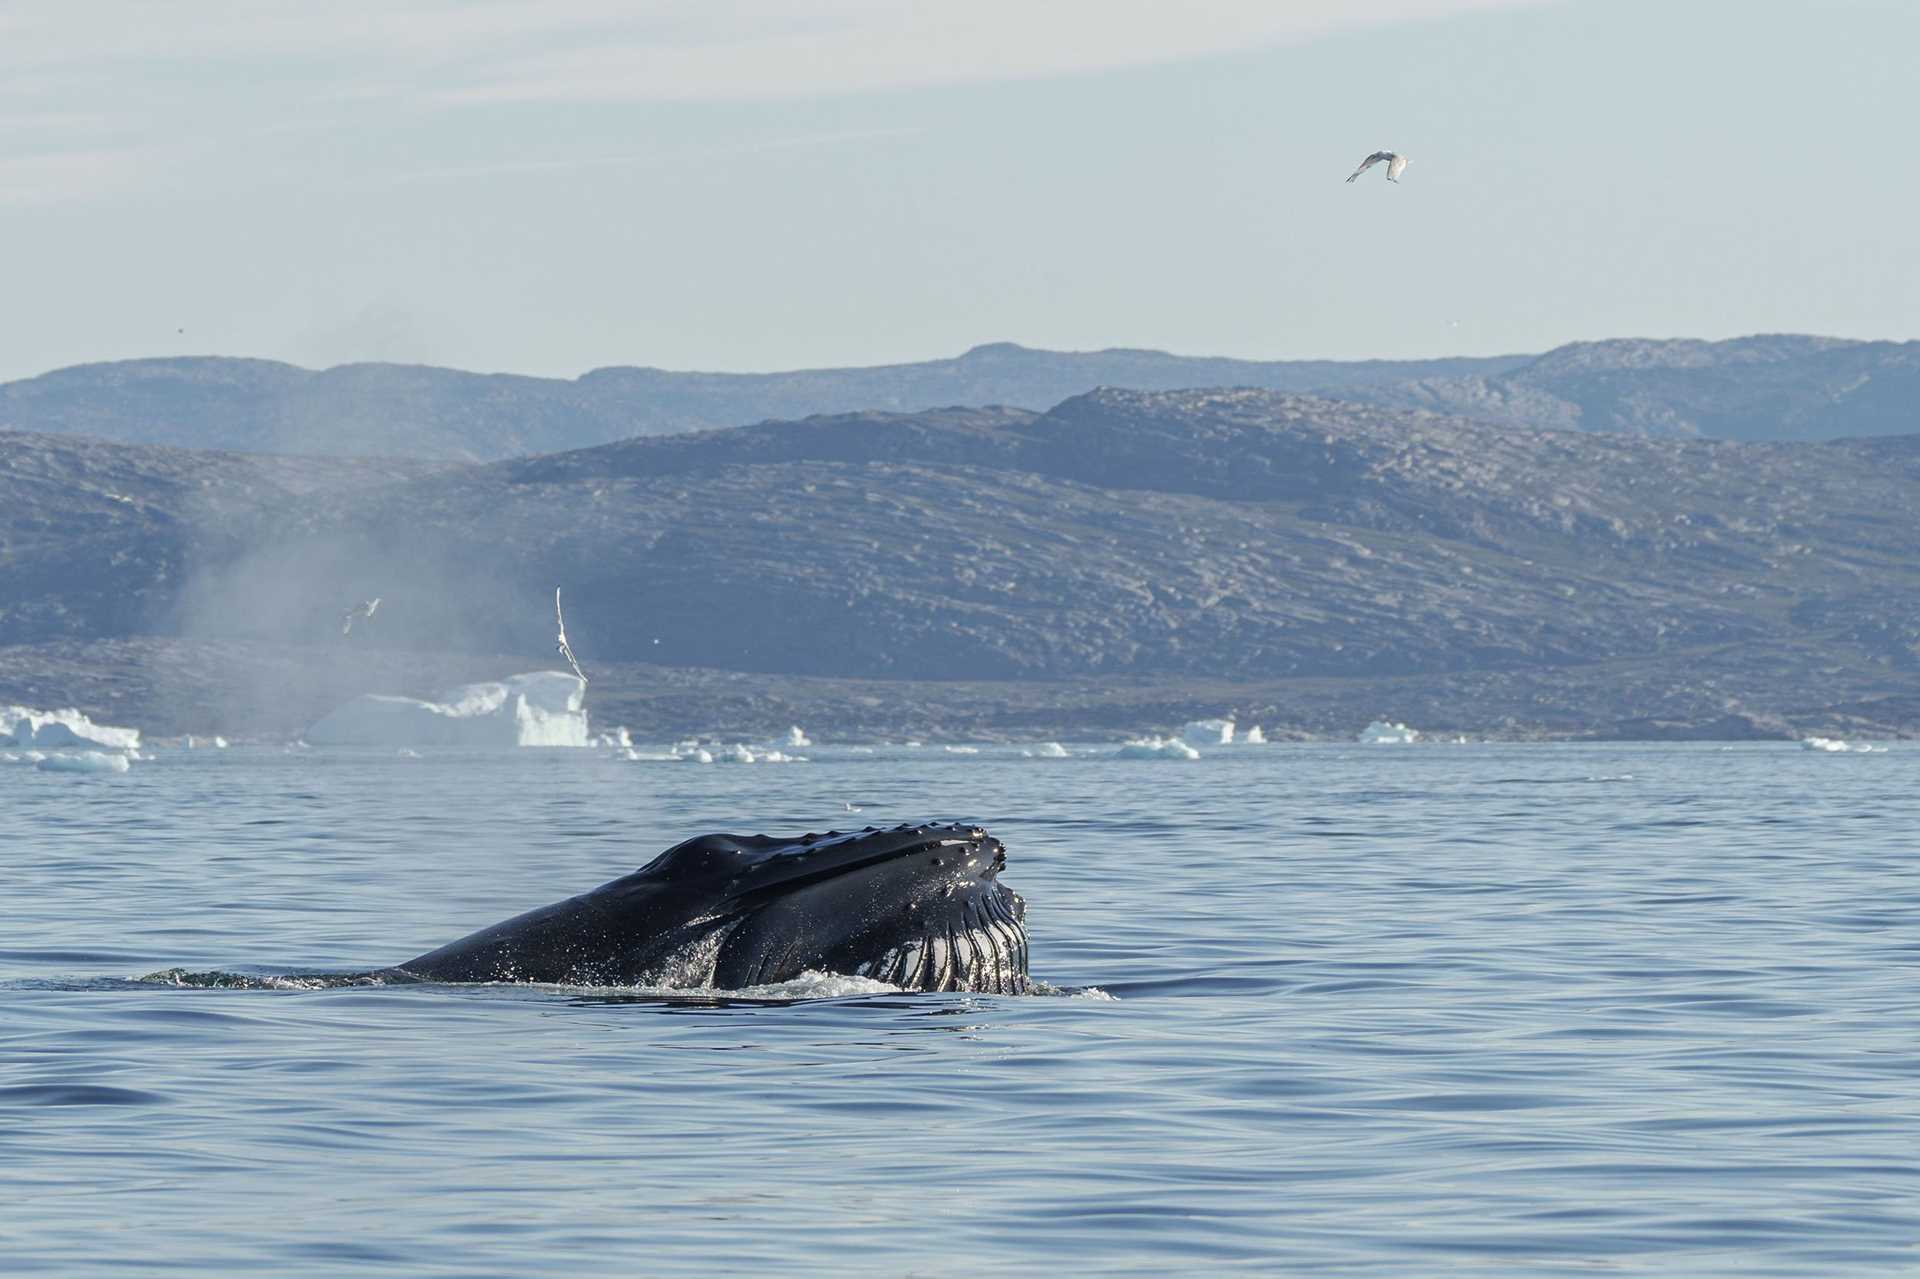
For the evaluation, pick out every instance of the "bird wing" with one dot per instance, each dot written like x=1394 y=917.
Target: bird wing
x=1398 y=167
x=566 y=649
x=1370 y=161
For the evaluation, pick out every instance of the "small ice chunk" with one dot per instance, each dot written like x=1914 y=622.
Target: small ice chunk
x=1386 y=733
x=795 y=737
x=1156 y=748
x=1046 y=750
x=1209 y=730
x=1838 y=745
x=735 y=754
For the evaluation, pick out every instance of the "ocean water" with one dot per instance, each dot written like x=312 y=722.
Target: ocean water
x=1367 y=1011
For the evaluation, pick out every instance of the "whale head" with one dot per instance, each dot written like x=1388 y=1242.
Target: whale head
x=921 y=907
x=918 y=906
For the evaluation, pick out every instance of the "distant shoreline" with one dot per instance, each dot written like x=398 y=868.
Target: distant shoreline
x=170 y=687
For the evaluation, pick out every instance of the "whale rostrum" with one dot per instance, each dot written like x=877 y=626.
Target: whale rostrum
x=917 y=906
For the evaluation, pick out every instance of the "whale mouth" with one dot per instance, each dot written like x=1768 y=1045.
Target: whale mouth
x=985 y=950
x=935 y=916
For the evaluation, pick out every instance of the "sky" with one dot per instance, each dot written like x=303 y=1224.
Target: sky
x=539 y=187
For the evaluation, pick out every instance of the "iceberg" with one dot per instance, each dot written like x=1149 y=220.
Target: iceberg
x=1384 y=733
x=542 y=708
x=22 y=728
x=1254 y=737
x=1046 y=750
x=795 y=737
x=1208 y=730
x=1156 y=748
x=65 y=741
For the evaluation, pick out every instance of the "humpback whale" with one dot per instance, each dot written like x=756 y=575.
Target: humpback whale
x=919 y=906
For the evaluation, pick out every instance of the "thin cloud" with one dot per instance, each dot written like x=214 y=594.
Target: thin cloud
x=605 y=50
x=753 y=49
x=57 y=176
x=563 y=164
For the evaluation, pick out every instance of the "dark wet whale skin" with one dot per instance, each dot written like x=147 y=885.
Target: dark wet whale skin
x=919 y=906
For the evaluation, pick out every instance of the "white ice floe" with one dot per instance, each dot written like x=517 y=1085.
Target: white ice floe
x=83 y=762
x=796 y=737
x=541 y=708
x=738 y=753
x=961 y=750
x=1156 y=748
x=1219 y=731
x=1838 y=745
x=1386 y=733
x=22 y=728
x=1046 y=750
x=1254 y=737
x=691 y=752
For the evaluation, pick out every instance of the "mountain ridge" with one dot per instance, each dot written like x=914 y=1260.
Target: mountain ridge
x=1769 y=386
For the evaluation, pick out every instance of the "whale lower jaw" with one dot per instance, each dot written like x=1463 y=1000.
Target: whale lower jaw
x=986 y=952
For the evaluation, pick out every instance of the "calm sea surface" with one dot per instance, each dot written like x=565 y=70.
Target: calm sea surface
x=1375 y=1010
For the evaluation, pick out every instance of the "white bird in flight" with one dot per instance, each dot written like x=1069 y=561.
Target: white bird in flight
x=1396 y=165
x=359 y=612
x=566 y=649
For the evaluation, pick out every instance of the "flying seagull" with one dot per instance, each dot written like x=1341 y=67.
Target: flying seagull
x=566 y=649
x=361 y=612
x=1396 y=165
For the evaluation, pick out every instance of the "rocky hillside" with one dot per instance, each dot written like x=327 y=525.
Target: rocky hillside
x=1757 y=388
x=1225 y=539
x=414 y=411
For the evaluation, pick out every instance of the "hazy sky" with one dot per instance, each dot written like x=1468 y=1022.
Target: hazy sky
x=753 y=184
